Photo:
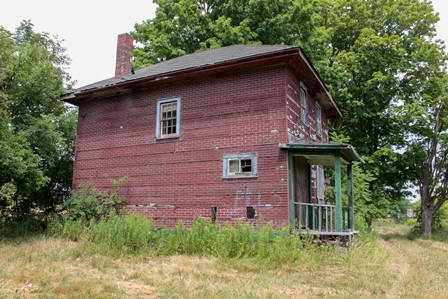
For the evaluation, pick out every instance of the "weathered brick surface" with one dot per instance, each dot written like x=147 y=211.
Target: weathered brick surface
x=179 y=179
x=123 y=64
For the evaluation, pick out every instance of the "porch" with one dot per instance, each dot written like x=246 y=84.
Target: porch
x=307 y=211
x=322 y=220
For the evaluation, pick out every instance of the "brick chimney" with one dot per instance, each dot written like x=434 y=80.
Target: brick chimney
x=123 y=66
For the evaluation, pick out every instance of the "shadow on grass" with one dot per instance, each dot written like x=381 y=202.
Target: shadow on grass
x=439 y=234
x=18 y=231
x=406 y=236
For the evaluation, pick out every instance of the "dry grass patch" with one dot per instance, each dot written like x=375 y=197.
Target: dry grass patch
x=392 y=266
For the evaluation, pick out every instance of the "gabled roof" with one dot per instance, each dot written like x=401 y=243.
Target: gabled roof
x=192 y=61
x=206 y=62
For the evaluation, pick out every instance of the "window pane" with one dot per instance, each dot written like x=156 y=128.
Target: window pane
x=304 y=105
x=246 y=165
x=318 y=120
x=168 y=118
x=234 y=166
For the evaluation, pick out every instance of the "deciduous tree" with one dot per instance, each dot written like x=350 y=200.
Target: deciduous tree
x=370 y=53
x=37 y=130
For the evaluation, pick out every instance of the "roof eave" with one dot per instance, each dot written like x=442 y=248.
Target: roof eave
x=345 y=150
x=321 y=82
x=279 y=56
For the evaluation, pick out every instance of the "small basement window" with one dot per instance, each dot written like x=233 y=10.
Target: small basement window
x=240 y=165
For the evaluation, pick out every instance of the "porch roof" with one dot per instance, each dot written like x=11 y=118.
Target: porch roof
x=322 y=152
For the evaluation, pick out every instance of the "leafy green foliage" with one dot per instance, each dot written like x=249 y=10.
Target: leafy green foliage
x=364 y=204
x=116 y=235
x=186 y=26
x=427 y=149
x=438 y=220
x=89 y=203
x=37 y=131
x=376 y=57
x=130 y=234
x=399 y=209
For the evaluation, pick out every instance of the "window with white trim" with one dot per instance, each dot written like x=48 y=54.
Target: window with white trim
x=240 y=165
x=303 y=104
x=168 y=118
x=318 y=120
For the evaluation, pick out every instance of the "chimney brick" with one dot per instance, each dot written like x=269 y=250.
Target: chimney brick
x=123 y=64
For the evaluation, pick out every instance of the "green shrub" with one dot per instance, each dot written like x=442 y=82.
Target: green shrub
x=73 y=229
x=121 y=234
x=437 y=220
x=33 y=224
x=90 y=203
x=118 y=235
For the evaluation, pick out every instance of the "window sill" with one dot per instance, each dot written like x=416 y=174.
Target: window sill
x=239 y=177
x=167 y=138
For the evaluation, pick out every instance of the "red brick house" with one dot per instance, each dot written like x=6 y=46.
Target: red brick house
x=236 y=133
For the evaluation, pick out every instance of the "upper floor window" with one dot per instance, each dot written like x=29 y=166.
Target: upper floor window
x=240 y=165
x=318 y=120
x=168 y=118
x=303 y=104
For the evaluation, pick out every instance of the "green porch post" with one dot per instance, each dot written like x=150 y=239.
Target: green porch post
x=351 y=210
x=310 y=198
x=337 y=179
x=292 y=211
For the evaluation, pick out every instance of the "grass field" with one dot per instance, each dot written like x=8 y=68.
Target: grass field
x=385 y=264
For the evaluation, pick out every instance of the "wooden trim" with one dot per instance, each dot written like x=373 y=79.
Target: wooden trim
x=337 y=182
x=351 y=214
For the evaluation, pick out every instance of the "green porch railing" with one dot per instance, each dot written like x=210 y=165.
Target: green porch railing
x=320 y=217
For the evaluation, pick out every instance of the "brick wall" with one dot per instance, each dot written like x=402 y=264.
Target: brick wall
x=296 y=127
x=179 y=179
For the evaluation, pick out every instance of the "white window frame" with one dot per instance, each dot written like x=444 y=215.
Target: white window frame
x=318 y=120
x=303 y=103
x=159 y=128
x=239 y=157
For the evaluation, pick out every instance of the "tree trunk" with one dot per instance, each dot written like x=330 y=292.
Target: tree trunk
x=426 y=224
x=369 y=220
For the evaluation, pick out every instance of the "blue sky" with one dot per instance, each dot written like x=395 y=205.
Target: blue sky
x=90 y=28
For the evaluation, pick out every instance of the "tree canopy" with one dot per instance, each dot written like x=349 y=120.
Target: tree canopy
x=37 y=130
x=376 y=56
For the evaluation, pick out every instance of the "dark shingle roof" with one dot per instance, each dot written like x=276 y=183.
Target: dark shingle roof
x=192 y=61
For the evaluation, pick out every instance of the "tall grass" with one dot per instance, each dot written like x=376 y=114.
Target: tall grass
x=128 y=257
x=133 y=234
